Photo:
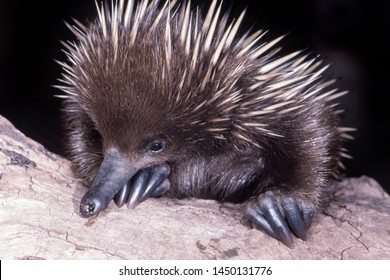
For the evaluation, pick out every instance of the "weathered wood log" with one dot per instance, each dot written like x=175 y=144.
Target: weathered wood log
x=39 y=201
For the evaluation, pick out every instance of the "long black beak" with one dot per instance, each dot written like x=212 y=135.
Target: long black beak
x=113 y=174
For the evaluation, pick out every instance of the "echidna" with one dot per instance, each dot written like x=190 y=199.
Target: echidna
x=160 y=100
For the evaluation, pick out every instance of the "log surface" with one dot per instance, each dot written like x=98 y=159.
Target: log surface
x=39 y=201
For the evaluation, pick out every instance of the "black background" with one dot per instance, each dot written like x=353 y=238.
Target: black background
x=352 y=35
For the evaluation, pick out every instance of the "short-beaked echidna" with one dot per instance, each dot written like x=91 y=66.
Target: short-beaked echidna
x=161 y=100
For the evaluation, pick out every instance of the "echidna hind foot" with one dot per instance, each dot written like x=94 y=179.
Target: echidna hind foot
x=280 y=216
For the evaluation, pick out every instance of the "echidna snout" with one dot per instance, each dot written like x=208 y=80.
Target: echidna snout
x=114 y=173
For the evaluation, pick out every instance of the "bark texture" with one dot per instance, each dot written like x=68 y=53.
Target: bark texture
x=39 y=201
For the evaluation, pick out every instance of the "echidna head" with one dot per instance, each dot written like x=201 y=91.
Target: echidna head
x=151 y=96
x=137 y=111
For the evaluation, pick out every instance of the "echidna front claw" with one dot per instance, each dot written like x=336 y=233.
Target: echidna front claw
x=121 y=197
x=279 y=217
x=146 y=183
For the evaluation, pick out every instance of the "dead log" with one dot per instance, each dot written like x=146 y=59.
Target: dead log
x=39 y=201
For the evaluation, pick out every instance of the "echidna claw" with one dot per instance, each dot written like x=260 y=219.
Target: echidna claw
x=148 y=182
x=279 y=217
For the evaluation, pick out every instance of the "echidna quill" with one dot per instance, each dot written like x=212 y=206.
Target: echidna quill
x=161 y=100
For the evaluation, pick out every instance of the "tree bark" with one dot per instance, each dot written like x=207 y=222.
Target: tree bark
x=39 y=201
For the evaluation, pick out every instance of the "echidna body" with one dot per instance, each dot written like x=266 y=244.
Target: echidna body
x=162 y=100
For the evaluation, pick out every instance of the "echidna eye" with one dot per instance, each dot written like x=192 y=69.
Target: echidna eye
x=157 y=146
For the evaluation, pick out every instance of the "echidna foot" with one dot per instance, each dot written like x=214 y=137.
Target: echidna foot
x=280 y=216
x=148 y=182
